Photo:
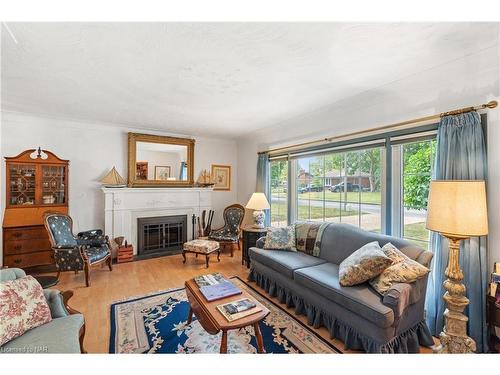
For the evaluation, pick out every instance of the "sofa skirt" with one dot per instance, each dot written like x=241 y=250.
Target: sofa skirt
x=408 y=341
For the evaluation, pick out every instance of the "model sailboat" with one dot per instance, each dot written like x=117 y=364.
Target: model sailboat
x=205 y=179
x=113 y=179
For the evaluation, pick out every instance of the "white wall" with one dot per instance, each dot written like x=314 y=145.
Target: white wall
x=92 y=150
x=471 y=80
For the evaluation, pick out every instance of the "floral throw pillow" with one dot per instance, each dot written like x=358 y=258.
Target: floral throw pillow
x=403 y=270
x=22 y=307
x=363 y=265
x=280 y=239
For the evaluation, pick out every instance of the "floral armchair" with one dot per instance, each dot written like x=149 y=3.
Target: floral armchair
x=76 y=253
x=63 y=334
x=229 y=234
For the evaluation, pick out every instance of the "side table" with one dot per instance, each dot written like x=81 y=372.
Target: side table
x=250 y=237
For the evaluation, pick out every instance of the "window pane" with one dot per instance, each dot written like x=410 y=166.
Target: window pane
x=310 y=189
x=418 y=161
x=341 y=187
x=279 y=192
x=350 y=189
x=370 y=183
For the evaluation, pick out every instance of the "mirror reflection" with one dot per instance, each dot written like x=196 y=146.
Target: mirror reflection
x=161 y=162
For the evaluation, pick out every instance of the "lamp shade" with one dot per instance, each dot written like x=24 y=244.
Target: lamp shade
x=258 y=201
x=457 y=208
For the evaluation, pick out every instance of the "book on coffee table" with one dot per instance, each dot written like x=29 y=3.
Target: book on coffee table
x=218 y=291
x=238 y=309
x=209 y=279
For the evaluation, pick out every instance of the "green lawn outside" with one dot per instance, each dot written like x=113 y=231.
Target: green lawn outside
x=279 y=211
x=417 y=233
x=352 y=197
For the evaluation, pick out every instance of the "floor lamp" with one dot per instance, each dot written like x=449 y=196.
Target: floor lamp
x=457 y=210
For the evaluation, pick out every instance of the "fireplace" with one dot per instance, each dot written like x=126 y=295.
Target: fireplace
x=163 y=235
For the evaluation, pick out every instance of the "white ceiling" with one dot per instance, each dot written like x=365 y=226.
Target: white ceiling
x=223 y=79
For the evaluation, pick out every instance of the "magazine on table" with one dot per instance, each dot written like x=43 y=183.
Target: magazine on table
x=238 y=309
x=209 y=279
x=218 y=291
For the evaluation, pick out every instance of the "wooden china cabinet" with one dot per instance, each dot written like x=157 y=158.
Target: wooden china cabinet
x=37 y=182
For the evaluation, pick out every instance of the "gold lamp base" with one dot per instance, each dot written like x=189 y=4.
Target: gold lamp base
x=454 y=337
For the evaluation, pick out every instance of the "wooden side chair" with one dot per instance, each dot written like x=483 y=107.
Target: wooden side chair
x=76 y=253
x=229 y=234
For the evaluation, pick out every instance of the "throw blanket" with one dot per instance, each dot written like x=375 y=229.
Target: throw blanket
x=308 y=237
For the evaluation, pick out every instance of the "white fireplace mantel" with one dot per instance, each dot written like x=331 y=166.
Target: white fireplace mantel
x=123 y=206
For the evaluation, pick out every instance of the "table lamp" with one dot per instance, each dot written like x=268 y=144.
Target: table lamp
x=258 y=202
x=457 y=210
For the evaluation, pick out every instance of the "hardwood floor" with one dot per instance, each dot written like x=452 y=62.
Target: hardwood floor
x=139 y=278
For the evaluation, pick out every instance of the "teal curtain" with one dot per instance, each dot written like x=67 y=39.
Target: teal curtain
x=262 y=185
x=460 y=155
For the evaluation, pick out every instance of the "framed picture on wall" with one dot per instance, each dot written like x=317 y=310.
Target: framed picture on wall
x=221 y=175
x=141 y=170
x=162 y=172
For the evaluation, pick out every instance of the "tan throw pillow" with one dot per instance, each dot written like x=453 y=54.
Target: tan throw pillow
x=280 y=239
x=22 y=307
x=362 y=265
x=403 y=270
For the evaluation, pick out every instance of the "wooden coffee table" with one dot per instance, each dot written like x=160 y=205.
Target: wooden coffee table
x=212 y=319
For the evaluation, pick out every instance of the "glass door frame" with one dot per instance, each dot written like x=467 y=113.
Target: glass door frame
x=38 y=200
x=64 y=177
x=8 y=176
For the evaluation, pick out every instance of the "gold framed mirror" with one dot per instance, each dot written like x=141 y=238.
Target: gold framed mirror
x=160 y=161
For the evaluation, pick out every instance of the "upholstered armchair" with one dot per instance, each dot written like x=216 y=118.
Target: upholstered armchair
x=76 y=253
x=229 y=234
x=63 y=334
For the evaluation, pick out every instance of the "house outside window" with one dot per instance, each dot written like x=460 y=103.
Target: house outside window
x=341 y=187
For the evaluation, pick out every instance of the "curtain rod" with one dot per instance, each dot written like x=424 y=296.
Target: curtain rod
x=490 y=105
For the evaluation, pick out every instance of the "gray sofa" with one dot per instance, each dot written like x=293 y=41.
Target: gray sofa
x=357 y=315
x=63 y=334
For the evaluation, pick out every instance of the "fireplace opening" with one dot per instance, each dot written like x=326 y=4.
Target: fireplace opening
x=163 y=235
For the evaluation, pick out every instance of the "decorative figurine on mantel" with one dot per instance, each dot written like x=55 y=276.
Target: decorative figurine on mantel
x=205 y=179
x=113 y=179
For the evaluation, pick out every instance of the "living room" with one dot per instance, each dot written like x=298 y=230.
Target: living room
x=191 y=186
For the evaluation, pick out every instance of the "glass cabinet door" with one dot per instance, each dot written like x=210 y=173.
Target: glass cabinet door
x=21 y=184
x=53 y=184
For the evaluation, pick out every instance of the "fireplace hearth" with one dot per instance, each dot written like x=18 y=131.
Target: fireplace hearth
x=159 y=236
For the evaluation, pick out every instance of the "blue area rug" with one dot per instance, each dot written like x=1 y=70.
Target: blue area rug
x=157 y=323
